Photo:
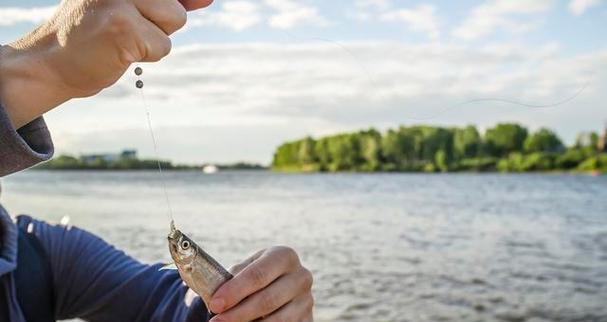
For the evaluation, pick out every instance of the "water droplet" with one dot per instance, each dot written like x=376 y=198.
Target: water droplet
x=138 y=71
x=139 y=84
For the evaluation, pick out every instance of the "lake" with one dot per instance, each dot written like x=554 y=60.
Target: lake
x=383 y=247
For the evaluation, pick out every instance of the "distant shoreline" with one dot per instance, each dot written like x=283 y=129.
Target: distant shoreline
x=326 y=173
x=507 y=147
x=70 y=163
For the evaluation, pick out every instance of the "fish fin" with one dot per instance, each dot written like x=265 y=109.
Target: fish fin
x=168 y=267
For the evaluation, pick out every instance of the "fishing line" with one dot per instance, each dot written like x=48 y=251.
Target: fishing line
x=505 y=101
x=442 y=111
x=139 y=84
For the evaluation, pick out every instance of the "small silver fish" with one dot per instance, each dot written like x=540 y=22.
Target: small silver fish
x=200 y=272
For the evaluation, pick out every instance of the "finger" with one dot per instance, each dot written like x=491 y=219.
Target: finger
x=239 y=267
x=299 y=309
x=259 y=274
x=168 y=15
x=270 y=299
x=154 y=43
x=190 y=5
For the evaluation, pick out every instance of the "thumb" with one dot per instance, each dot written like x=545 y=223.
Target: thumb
x=191 y=5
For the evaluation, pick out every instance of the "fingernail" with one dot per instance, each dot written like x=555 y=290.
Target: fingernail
x=215 y=319
x=216 y=306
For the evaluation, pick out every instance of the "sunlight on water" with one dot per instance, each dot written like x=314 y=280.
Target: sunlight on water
x=383 y=247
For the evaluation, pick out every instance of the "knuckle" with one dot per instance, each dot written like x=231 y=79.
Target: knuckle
x=118 y=23
x=159 y=49
x=170 y=19
x=258 y=276
x=181 y=18
x=269 y=303
x=166 y=47
x=307 y=278
x=310 y=304
x=288 y=253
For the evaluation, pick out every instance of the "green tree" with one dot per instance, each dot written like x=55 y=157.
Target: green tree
x=513 y=163
x=441 y=161
x=306 y=154
x=504 y=139
x=63 y=162
x=537 y=161
x=398 y=147
x=286 y=156
x=345 y=152
x=570 y=159
x=544 y=140
x=436 y=139
x=371 y=152
x=467 y=142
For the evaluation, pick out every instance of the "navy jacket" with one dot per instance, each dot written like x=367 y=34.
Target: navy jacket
x=90 y=279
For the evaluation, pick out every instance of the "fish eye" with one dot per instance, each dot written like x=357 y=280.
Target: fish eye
x=185 y=244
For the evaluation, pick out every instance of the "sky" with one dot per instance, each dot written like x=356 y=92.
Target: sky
x=245 y=76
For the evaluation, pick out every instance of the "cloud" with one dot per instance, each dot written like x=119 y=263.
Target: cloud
x=238 y=101
x=501 y=15
x=579 y=7
x=240 y=15
x=290 y=14
x=235 y=15
x=421 y=18
x=10 y=16
x=373 y=4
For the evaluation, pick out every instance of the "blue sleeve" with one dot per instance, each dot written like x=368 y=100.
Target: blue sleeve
x=98 y=283
x=24 y=147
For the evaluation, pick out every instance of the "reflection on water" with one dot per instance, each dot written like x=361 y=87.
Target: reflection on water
x=383 y=247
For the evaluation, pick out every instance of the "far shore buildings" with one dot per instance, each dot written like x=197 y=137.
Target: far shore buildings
x=110 y=157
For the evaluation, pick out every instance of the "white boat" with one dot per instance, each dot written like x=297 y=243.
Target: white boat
x=210 y=169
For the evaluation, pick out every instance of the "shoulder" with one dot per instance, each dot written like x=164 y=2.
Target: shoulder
x=56 y=234
x=68 y=246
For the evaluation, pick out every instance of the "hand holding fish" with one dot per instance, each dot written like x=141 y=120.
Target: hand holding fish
x=85 y=47
x=272 y=285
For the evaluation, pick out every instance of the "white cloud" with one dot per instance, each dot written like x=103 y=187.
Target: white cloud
x=235 y=15
x=373 y=4
x=239 y=15
x=290 y=13
x=501 y=14
x=421 y=18
x=10 y=16
x=579 y=7
x=254 y=96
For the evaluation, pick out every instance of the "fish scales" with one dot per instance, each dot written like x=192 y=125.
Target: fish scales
x=199 y=271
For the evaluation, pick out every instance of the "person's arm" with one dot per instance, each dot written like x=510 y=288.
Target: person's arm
x=24 y=147
x=85 y=47
x=96 y=282
x=28 y=87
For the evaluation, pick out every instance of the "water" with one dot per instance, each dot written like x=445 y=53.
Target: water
x=383 y=247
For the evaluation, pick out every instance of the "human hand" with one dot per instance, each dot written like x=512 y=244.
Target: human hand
x=86 y=47
x=272 y=285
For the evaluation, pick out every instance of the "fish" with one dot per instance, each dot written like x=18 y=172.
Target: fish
x=198 y=270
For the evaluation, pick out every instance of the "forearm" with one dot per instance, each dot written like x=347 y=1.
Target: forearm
x=27 y=88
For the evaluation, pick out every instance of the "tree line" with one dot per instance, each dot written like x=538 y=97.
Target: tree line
x=507 y=147
x=68 y=162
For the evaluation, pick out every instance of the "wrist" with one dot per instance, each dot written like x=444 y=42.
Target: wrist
x=27 y=88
